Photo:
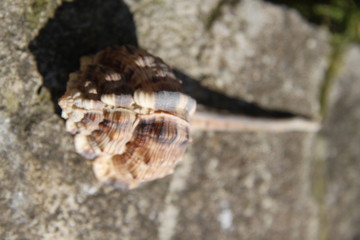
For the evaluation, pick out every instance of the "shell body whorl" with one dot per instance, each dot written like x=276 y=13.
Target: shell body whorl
x=129 y=115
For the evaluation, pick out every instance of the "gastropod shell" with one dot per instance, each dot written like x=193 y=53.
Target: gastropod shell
x=129 y=115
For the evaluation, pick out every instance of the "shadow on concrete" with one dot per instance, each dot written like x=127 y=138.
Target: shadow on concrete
x=84 y=27
x=79 y=28
x=218 y=101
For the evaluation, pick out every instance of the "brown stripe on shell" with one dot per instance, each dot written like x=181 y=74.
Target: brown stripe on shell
x=92 y=118
x=141 y=65
x=146 y=80
x=90 y=122
x=114 y=131
x=118 y=124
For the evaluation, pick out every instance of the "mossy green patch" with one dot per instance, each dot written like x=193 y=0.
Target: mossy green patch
x=11 y=102
x=335 y=64
x=43 y=102
x=37 y=10
x=216 y=12
x=319 y=184
x=44 y=95
x=342 y=19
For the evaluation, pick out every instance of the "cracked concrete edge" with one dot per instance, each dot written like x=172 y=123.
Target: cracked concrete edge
x=335 y=163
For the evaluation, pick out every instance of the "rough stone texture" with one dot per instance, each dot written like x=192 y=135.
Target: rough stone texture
x=250 y=50
x=229 y=186
x=249 y=187
x=18 y=80
x=342 y=159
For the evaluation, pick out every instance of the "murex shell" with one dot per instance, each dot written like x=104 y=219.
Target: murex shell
x=129 y=115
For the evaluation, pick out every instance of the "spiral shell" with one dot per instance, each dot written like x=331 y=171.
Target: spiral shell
x=129 y=115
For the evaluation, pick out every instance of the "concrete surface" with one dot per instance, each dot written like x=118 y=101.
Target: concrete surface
x=229 y=185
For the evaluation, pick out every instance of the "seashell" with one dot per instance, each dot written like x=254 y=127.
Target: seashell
x=129 y=115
